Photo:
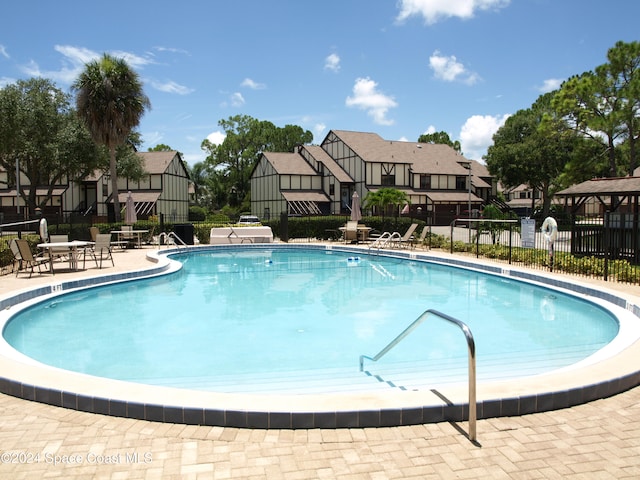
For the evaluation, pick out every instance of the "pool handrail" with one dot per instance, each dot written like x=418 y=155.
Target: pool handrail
x=164 y=237
x=385 y=239
x=471 y=347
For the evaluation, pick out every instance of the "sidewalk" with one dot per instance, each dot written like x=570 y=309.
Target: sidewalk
x=596 y=440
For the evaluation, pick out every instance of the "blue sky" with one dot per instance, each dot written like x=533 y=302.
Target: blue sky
x=395 y=68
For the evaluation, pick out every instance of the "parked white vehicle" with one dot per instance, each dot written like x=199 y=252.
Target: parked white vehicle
x=248 y=220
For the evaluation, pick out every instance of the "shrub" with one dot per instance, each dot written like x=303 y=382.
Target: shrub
x=197 y=214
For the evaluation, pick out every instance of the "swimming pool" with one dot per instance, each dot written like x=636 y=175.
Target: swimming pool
x=280 y=304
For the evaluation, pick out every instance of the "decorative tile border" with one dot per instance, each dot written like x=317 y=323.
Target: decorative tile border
x=510 y=406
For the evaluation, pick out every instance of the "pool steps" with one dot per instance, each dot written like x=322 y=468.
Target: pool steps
x=414 y=375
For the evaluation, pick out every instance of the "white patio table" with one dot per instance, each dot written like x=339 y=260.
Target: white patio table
x=73 y=248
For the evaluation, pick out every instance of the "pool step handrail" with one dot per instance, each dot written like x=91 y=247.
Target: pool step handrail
x=385 y=239
x=471 y=347
x=170 y=238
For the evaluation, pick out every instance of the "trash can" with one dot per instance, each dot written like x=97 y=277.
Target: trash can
x=184 y=231
x=284 y=227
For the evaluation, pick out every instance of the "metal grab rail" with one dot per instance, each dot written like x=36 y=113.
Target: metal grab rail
x=165 y=237
x=385 y=239
x=472 y=359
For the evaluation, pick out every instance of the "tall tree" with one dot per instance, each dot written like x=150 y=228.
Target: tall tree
x=624 y=70
x=441 y=138
x=161 y=147
x=605 y=104
x=41 y=134
x=111 y=102
x=246 y=138
x=590 y=105
x=532 y=148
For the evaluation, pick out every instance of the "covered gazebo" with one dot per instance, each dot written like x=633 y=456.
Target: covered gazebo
x=620 y=194
x=617 y=202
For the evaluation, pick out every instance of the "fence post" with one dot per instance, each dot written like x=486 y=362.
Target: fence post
x=605 y=244
x=511 y=241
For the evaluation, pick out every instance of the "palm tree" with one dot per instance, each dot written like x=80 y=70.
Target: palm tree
x=386 y=198
x=111 y=103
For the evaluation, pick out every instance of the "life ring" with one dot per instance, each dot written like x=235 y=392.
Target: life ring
x=44 y=231
x=549 y=229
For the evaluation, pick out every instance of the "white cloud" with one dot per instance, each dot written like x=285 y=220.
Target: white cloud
x=4 y=81
x=237 y=100
x=550 y=85
x=3 y=51
x=171 y=87
x=450 y=70
x=318 y=130
x=247 y=82
x=172 y=50
x=217 y=137
x=74 y=60
x=477 y=133
x=152 y=138
x=133 y=60
x=77 y=55
x=367 y=97
x=332 y=62
x=435 y=10
x=430 y=129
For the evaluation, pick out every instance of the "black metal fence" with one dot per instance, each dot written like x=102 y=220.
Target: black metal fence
x=607 y=247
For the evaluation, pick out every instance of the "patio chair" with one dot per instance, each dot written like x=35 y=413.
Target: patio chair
x=60 y=253
x=17 y=258
x=351 y=231
x=128 y=236
x=101 y=248
x=150 y=238
x=423 y=236
x=26 y=257
x=399 y=241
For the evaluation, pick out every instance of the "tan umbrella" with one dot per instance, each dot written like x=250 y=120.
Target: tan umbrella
x=356 y=214
x=130 y=216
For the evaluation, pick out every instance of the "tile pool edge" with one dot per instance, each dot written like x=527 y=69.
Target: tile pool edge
x=534 y=394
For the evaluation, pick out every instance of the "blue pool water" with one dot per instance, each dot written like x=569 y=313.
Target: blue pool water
x=298 y=320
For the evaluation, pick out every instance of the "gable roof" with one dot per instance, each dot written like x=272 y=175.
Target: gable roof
x=479 y=173
x=323 y=157
x=152 y=163
x=158 y=162
x=423 y=157
x=289 y=163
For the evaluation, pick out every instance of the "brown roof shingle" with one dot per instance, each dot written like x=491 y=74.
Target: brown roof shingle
x=604 y=186
x=289 y=163
x=423 y=157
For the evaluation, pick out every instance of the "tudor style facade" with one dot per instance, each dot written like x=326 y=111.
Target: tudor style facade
x=164 y=190
x=440 y=183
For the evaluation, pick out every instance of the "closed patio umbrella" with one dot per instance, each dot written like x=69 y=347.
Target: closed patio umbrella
x=130 y=211
x=356 y=214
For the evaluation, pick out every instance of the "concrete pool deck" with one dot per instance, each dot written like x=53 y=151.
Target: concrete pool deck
x=599 y=439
